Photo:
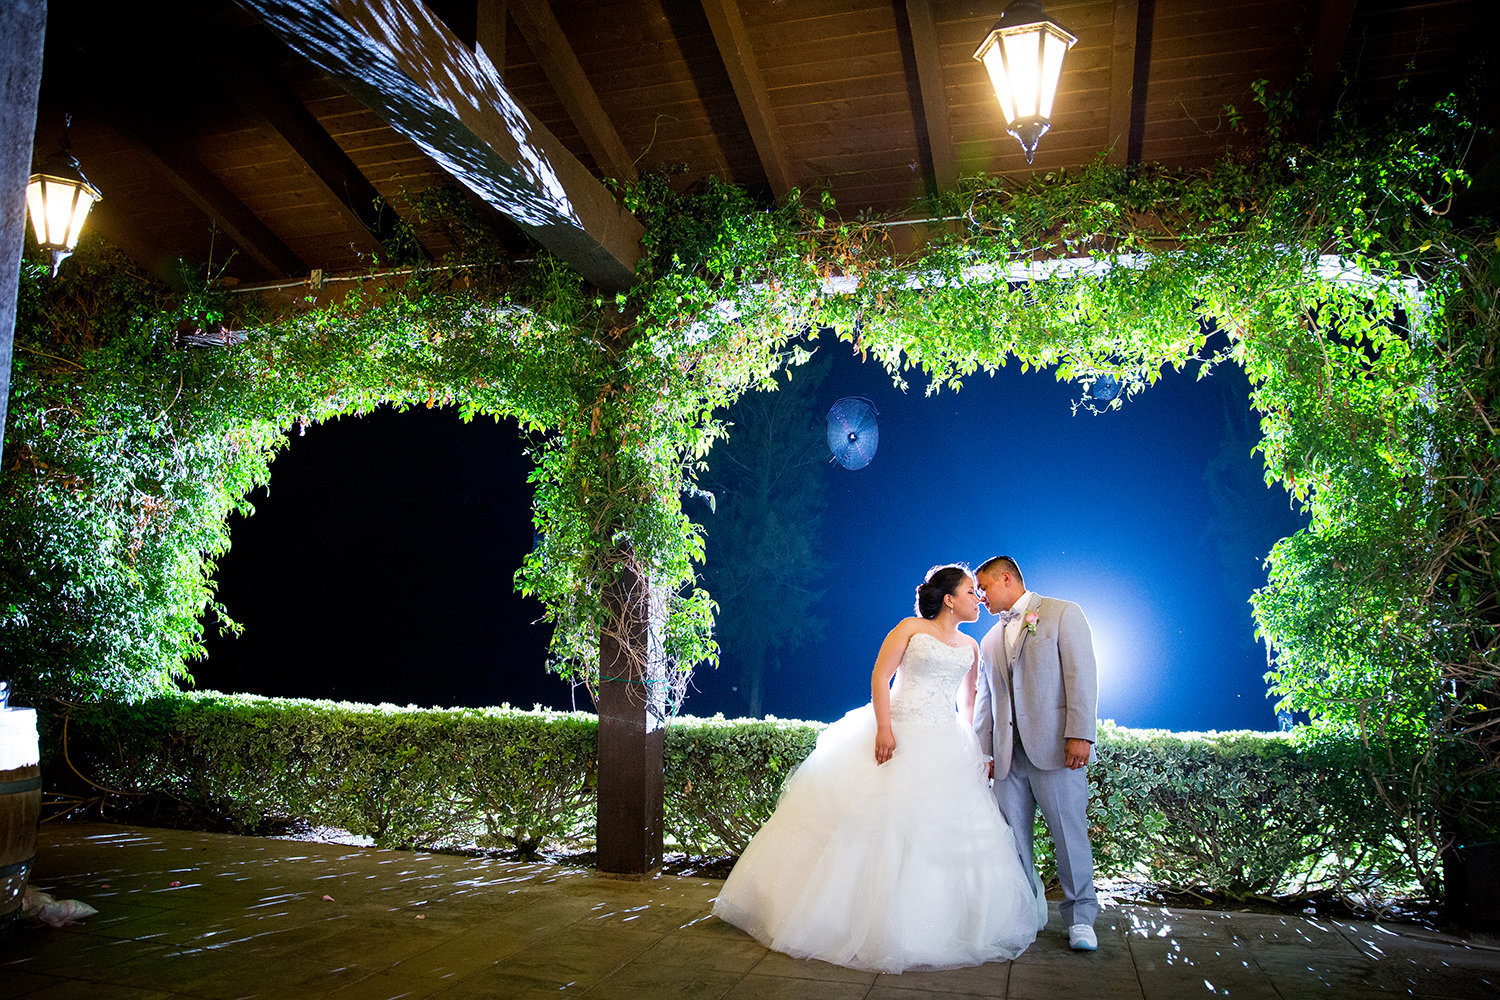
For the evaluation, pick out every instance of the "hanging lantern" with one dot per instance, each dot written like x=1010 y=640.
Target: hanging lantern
x=1024 y=55
x=59 y=197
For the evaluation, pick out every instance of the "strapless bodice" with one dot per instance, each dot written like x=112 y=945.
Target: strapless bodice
x=927 y=681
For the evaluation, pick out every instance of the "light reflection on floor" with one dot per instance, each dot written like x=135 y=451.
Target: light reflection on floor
x=269 y=918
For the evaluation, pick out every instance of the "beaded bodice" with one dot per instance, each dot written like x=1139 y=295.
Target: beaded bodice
x=927 y=681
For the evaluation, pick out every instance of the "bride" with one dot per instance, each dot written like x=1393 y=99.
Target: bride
x=886 y=850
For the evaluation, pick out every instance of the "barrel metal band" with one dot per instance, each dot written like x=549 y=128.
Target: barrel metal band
x=19 y=868
x=18 y=787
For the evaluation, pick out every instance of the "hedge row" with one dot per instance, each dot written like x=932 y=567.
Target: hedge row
x=1233 y=813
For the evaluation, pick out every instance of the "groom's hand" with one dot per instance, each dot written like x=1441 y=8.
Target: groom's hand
x=1076 y=753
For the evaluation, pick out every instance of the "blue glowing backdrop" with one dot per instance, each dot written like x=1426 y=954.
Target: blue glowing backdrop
x=379 y=566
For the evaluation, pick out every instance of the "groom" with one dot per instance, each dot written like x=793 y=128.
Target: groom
x=1034 y=712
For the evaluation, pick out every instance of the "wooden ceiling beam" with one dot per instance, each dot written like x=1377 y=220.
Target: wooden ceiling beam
x=175 y=160
x=405 y=65
x=550 y=46
x=738 y=56
x=360 y=207
x=934 y=99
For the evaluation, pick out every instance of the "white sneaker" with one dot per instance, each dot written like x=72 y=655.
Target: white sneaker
x=1041 y=900
x=1081 y=937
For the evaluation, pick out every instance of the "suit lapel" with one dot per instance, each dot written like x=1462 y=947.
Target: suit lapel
x=1033 y=605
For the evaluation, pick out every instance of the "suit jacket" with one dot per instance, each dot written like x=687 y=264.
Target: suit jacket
x=1056 y=687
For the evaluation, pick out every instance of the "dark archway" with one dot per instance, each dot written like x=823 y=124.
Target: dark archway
x=379 y=567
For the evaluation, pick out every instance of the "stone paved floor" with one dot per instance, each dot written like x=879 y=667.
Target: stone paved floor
x=205 y=915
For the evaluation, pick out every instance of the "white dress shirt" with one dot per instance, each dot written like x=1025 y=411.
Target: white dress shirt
x=1013 y=628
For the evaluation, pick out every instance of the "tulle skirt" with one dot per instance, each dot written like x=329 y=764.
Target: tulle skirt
x=885 y=867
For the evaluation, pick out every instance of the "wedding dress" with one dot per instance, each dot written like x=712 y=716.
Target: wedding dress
x=893 y=866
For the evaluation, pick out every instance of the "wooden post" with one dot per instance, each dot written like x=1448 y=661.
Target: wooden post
x=632 y=729
x=23 y=26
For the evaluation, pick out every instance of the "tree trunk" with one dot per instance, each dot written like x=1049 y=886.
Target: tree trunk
x=755 y=679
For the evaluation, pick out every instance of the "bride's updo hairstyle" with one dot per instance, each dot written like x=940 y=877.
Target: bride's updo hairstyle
x=941 y=581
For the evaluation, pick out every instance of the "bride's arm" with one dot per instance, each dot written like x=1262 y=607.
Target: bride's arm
x=966 y=691
x=886 y=662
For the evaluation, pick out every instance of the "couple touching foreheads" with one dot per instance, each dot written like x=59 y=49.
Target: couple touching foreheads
x=889 y=849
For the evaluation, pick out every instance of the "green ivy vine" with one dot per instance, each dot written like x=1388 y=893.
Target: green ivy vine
x=1375 y=378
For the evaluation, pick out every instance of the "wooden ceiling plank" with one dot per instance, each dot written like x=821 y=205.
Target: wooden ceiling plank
x=930 y=86
x=400 y=60
x=170 y=155
x=544 y=36
x=738 y=55
x=354 y=198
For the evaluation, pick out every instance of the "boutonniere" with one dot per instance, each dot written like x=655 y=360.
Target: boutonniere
x=1030 y=621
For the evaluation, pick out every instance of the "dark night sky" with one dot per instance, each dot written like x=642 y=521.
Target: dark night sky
x=379 y=567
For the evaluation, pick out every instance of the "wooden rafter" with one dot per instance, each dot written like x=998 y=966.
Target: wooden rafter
x=1124 y=123
x=733 y=41
x=402 y=63
x=489 y=31
x=175 y=160
x=1329 y=35
x=362 y=209
x=934 y=98
x=545 y=37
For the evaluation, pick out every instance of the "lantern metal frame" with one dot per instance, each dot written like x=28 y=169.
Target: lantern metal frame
x=59 y=198
x=1027 y=108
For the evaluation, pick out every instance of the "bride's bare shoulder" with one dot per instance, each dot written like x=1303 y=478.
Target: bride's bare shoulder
x=906 y=628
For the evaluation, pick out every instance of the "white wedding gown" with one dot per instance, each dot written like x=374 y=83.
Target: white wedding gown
x=895 y=866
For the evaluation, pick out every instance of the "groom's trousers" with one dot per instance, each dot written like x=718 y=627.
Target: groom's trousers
x=1063 y=797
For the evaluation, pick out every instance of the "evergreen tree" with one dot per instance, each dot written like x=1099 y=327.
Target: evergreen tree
x=763 y=559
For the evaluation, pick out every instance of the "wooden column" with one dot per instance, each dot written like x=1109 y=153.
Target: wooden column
x=23 y=26
x=632 y=729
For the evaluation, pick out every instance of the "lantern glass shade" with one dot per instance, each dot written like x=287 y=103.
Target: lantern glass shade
x=1024 y=55
x=58 y=198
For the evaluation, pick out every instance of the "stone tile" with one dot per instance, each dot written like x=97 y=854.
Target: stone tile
x=223 y=975
x=249 y=918
x=464 y=954
x=1187 y=979
x=369 y=948
x=15 y=983
x=709 y=951
x=573 y=957
x=987 y=980
x=711 y=926
x=882 y=992
x=1060 y=972
x=644 y=915
x=1310 y=972
x=755 y=987
x=1186 y=925
x=68 y=951
x=79 y=989
x=495 y=983
x=784 y=966
x=1278 y=935
x=390 y=984
x=644 y=980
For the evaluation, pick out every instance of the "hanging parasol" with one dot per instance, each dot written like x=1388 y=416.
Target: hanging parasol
x=1104 y=388
x=852 y=432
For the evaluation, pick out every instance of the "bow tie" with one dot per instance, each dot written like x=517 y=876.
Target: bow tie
x=1006 y=617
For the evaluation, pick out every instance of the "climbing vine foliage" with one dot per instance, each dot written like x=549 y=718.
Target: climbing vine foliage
x=1345 y=275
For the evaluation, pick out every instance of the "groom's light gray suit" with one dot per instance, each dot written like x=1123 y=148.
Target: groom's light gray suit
x=1056 y=698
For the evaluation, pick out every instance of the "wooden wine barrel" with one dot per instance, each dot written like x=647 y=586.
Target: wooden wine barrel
x=20 y=805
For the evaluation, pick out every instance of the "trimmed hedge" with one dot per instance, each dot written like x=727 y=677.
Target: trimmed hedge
x=1235 y=814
